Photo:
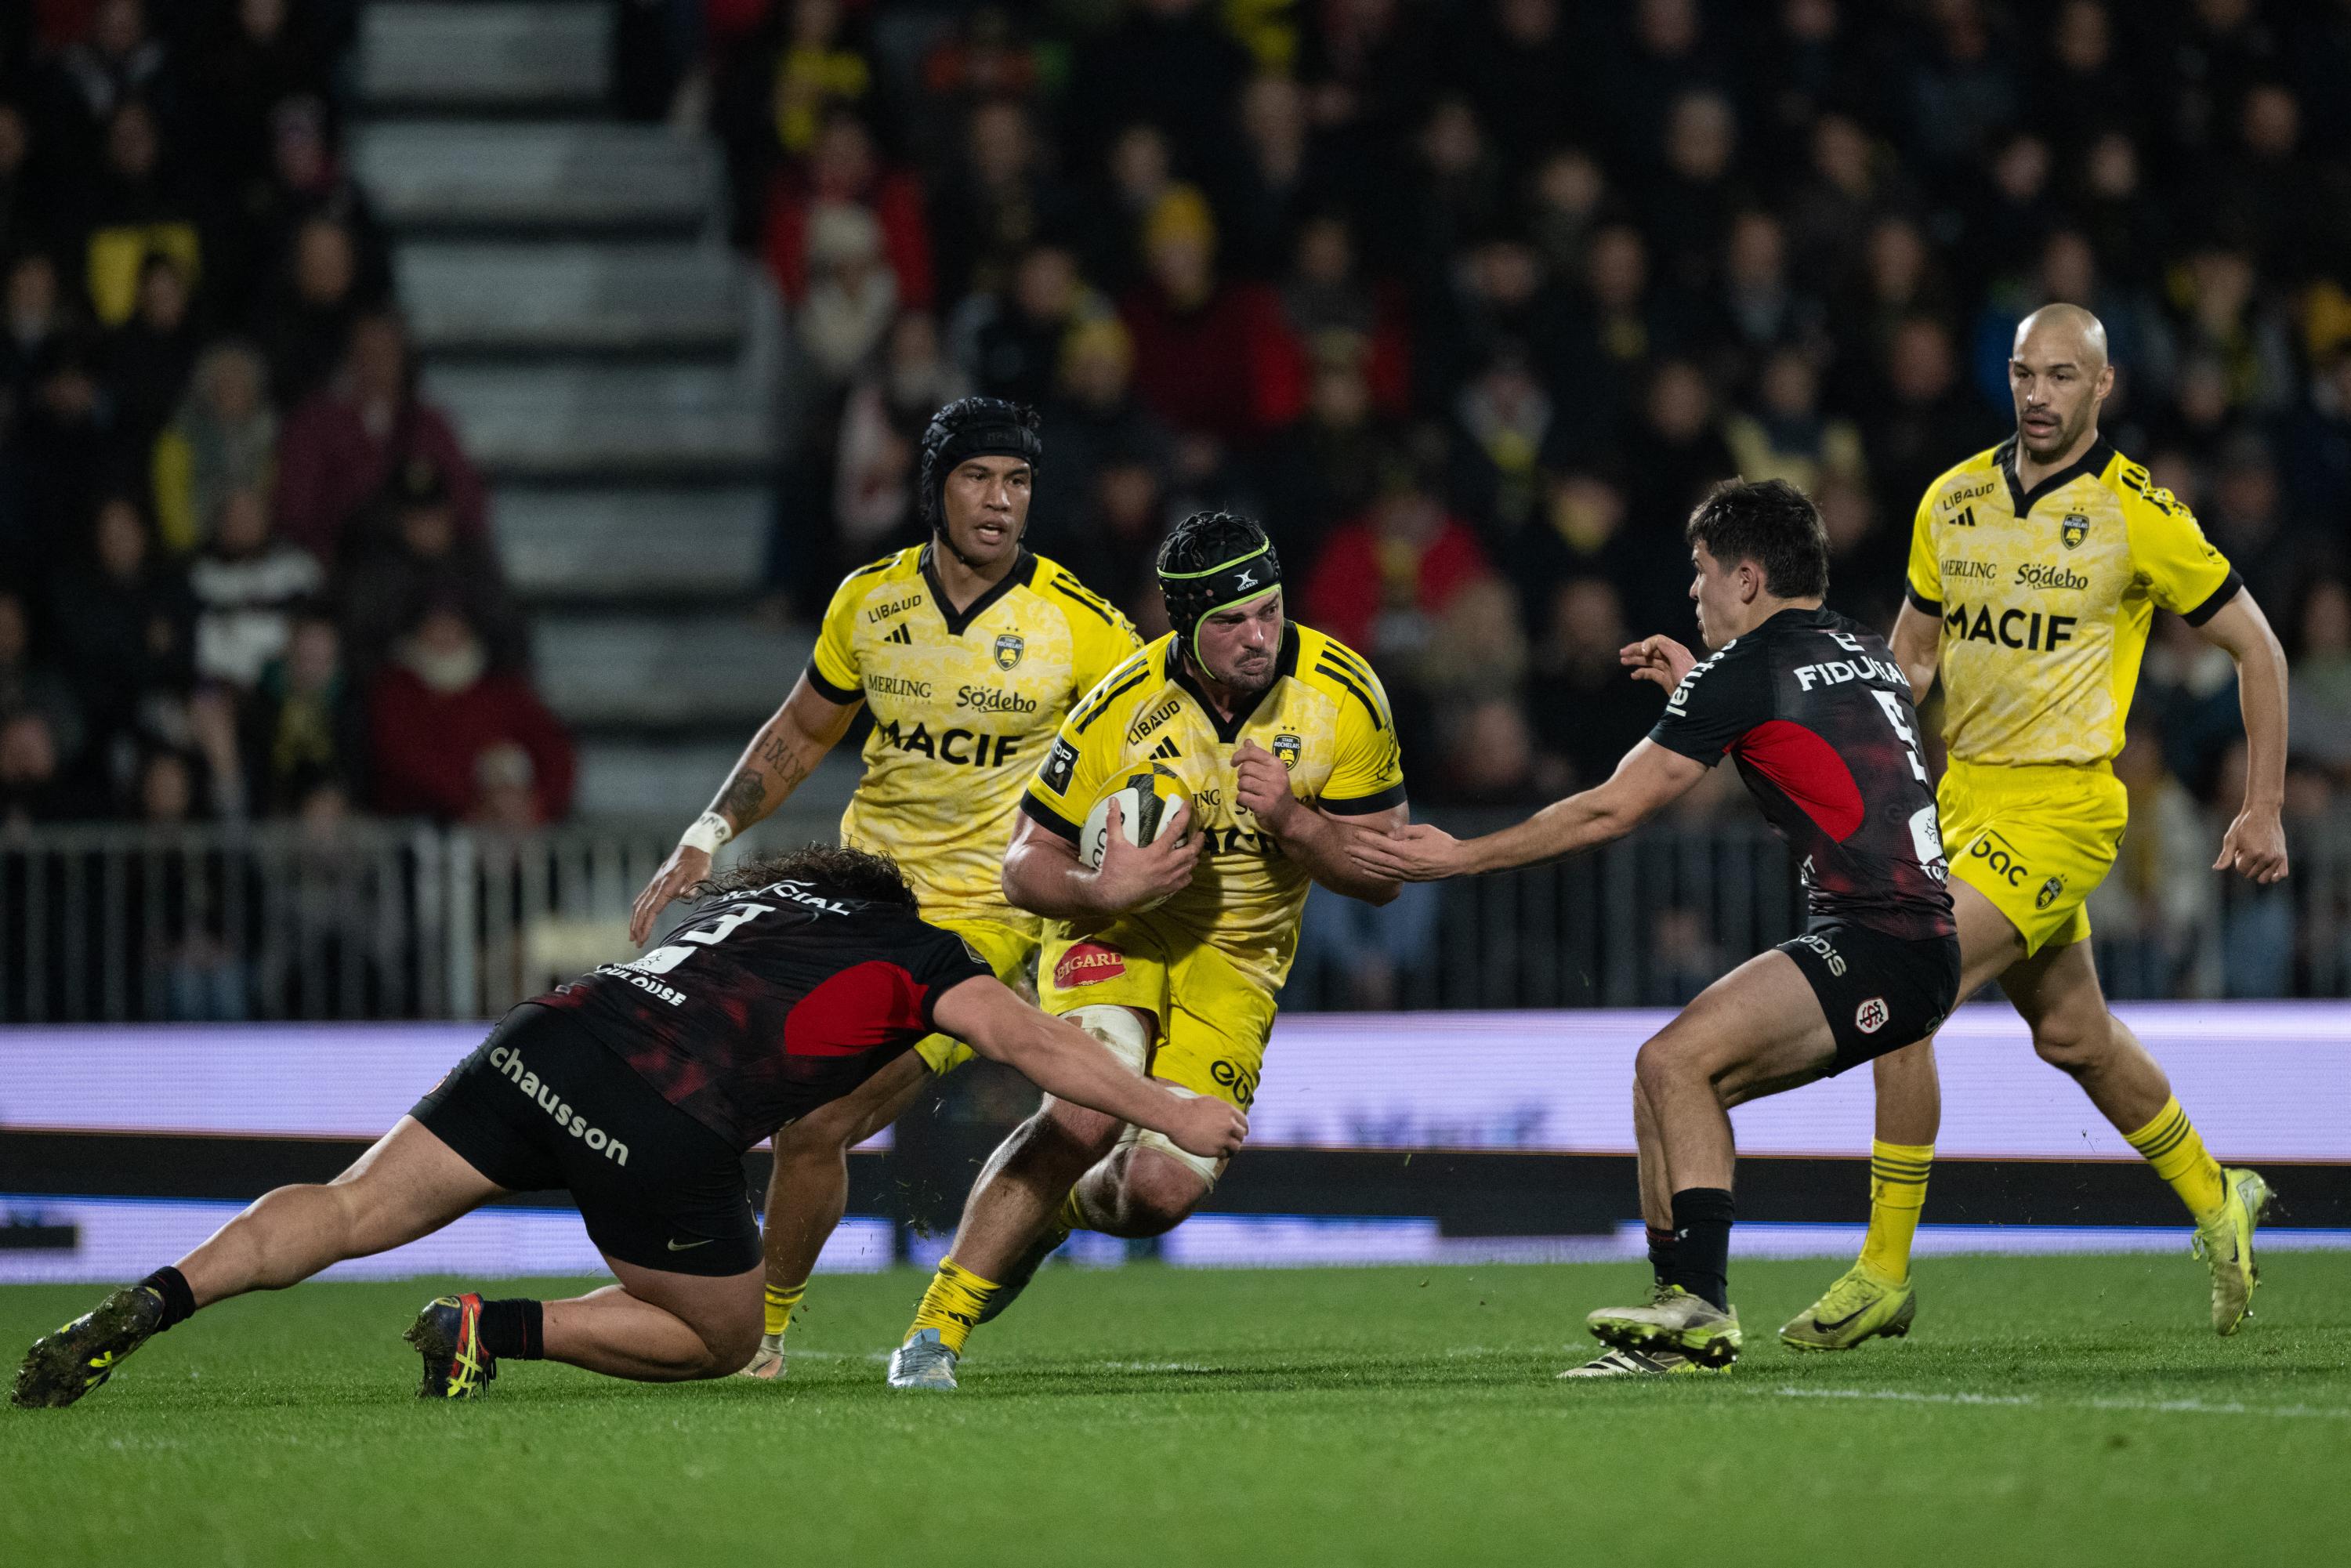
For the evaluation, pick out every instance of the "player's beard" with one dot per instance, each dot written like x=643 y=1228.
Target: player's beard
x=2060 y=441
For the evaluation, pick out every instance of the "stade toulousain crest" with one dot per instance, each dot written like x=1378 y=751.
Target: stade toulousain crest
x=1008 y=649
x=2073 y=528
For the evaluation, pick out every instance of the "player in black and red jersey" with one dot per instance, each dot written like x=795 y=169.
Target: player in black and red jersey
x=1818 y=716
x=638 y=1088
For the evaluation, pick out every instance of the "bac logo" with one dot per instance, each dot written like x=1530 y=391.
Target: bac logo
x=1236 y=1077
x=1008 y=649
x=2003 y=864
x=1871 y=1016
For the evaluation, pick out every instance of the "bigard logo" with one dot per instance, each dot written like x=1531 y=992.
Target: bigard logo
x=1008 y=649
x=2073 y=530
x=1287 y=748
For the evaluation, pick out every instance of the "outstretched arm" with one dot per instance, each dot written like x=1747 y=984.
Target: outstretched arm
x=2254 y=845
x=1069 y=1064
x=1649 y=778
x=785 y=751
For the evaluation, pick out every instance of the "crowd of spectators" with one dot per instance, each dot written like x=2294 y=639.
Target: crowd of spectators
x=1469 y=301
x=245 y=568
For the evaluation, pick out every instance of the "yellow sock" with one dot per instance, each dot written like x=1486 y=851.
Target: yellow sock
x=2173 y=1146
x=1897 y=1191
x=1071 y=1216
x=952 y=1305
x=781 y=1299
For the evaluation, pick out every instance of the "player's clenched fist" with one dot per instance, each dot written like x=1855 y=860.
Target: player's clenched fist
x=1263 y=787
x=685 y=866
x=1210 y=1128
x=2254 y=847
x=1658 y=659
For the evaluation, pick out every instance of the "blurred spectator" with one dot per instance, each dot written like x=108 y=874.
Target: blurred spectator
x=264 y=58
x=2159 y=896
x=119 y=61
x=223 y=437
x=1687 y=207
x=2320 y=715
x=1211 y=357
x=1167 y=64
x=1784 y=435
x=1621 y=323
x=1964 y=90
x=1095 y=421
x=1017 y=342
x=1566 y=205
x=1848 y=186
x=815 y=71
x=305 y=728
x=999 y=200
x=138 y=210
x=844 y=171
x=881 y=431
x=62 y=449
x=1382 y=578
x=1587 y=711
x=407 y=551
x=851 y=296
x=2225 y=318
x=37 y=316
x=148 y=358
x=30 y=788
x=341 y=446
x=2247 y=521
x=31 y=684
x=311 y=309
x=304 y=181
x=1490 y=759
x=438 y=709
x=1275 y=184
x=2318 y=441
x=247 y=583
x=25 y=211
x=126 y=626
x=1337 y=313
x=1924 y=421
x=1506 y=419
x=1760 y=309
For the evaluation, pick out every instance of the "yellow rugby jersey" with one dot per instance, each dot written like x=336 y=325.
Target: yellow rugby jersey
x=964 y=706
x=2045 y=598
x=1325 y=715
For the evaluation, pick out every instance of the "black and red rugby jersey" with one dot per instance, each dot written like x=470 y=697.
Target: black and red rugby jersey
x=766 y=1004
x=1818 y=717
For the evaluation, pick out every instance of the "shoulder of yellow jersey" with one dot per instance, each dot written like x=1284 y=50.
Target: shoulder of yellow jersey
x=2135 y=489
x=1130 y=681
x=1087 y=611
x=1969 y=471
x=898 y=566
x=1326 y=663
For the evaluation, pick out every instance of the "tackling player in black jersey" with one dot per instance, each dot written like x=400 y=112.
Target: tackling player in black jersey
x=1818 y=717
x=638 y=1088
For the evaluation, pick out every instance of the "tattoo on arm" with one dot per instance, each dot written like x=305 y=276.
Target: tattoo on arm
x=740 y=802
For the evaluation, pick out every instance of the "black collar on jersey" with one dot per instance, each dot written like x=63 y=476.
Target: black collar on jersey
x=2092 y=463
x=1024 y=569
x=1228 y=730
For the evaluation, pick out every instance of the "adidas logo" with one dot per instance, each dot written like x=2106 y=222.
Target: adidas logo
x=903 y=636
x=1165 y=748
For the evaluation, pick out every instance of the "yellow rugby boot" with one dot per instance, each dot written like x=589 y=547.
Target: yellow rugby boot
x=2225 y=1242
x=1860 y=1306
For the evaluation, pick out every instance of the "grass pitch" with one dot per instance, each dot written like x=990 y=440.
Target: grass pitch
x=2070 y=1410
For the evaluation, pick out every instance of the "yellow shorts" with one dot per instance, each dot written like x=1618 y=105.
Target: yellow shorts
x=1007 y=952
x=1213 y=1019
x=2034 y=840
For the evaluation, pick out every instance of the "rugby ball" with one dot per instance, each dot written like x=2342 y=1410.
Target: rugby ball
x=1146 y=804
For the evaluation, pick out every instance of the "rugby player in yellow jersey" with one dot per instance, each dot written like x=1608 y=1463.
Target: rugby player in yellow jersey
x=2035 y=569
x=1171 y=953
x=968 y=651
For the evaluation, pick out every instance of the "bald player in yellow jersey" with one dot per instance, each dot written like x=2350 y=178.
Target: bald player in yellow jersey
x=968 y=652
x=1171 y=953
x=2035 y=571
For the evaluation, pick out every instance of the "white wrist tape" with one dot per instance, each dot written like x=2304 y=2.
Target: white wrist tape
x=708 y=832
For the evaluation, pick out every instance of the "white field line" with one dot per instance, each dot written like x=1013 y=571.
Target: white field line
x=2152 y=1406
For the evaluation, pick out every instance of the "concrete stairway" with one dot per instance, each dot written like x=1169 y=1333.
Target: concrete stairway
x=609 y=362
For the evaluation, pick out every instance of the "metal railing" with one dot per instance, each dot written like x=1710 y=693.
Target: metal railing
x=388 y=920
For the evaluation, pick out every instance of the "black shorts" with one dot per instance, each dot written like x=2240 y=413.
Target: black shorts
x=1880 y=992
x=541 y=1105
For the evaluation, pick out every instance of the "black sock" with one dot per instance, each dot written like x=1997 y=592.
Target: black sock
x=179 y=1301
x=1702 y=1243
x=513 y=1329
x=1661 y=1254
